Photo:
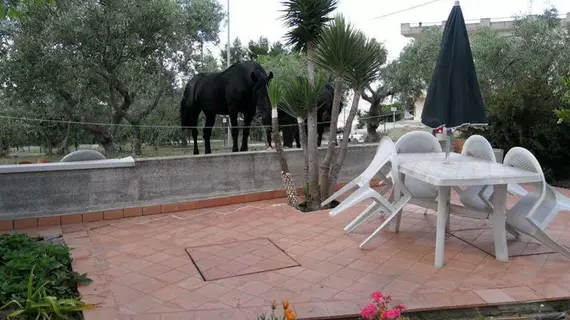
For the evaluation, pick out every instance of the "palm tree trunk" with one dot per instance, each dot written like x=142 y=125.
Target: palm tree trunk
x=335 y=169
x=288 y=183
x=303 y=137
x=326 y=165
x=314 y=202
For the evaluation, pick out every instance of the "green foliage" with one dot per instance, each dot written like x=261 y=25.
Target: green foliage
x=411 y=72
x=20 y=254
x=345 y=52
x=275 y=94
x=334 y=48
x=114 y=61
x=12 y=9
x=301 y=97
x=237 y=53
x=40 y=305
x=285 y=67
x=306 y=18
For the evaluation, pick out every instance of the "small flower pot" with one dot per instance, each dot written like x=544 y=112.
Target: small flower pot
x=458 y=145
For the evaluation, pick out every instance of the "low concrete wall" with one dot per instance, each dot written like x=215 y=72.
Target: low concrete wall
x=155 y=181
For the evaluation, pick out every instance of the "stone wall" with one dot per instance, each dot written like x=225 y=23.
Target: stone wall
x=155 y=181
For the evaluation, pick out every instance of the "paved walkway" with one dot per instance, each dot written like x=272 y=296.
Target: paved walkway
x=188 y=265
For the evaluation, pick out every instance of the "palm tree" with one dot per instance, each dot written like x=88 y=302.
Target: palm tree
x=352 y=58
x=307 y=18
x=299 y=98
x=275 y=96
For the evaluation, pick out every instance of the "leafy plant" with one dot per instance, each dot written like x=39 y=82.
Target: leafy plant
x=380 y=310
x=40 y=305
x=18 y=256
x=288 y=314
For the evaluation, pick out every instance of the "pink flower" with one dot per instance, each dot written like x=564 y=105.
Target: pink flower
x=377 y=296
x=400 y=307
x=369 y=312
x=391 y=314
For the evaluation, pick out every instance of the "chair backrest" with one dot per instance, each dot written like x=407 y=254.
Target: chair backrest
x=418 y=142
x=384 y=152
x=478 y=147
x=523 y=159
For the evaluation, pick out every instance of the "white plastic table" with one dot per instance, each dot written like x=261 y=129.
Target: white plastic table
x=461 y=170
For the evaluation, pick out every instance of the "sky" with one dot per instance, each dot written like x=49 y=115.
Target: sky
x=250 y=19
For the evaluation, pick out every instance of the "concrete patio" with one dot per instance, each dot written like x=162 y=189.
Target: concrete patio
x=229 y=263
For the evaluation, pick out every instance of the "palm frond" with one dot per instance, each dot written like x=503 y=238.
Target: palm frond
x=346 y=52
x=306 y=18
x=301 y=97
x=371 y=56
x=275 y=94
x=334 y=50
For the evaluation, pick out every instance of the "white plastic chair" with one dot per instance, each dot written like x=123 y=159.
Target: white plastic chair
x=477 y=197
x=381 y=158
x=419 y=142
x=533 y=212
x=385 y=153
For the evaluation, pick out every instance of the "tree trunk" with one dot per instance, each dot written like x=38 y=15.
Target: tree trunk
x=373 y=122
x=335 y=169
x=331 y=148
x=290 y=189
x=303 y=138
x=314 y=202
x=63 y=147
x=313 y=152
x=137 y=145
x=105 y=139
x=116 y=121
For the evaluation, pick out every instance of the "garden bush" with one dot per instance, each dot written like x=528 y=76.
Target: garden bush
x=19 y=254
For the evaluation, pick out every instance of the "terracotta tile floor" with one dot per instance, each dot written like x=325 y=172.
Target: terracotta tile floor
x=239 y=258
x=141 y=269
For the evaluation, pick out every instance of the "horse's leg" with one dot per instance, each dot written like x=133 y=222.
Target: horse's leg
x=210 y=121
x=235 y=130
x=268 y=132
x=194 y=128
x=247 y=119
x=288 y=137
x=320 y=131
x=297 y=140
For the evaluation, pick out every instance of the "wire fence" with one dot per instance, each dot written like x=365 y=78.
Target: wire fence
x=155 y=126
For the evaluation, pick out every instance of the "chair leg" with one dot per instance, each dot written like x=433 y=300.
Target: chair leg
x=545 y=239
x=350 y=201
x=512 y=231
x=362 y=217
x=384 y=224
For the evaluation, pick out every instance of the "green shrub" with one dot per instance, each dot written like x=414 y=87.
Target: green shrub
x=39 y=305
x=18 y=256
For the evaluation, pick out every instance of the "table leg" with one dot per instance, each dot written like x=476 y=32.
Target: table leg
x=442 y=216
x=396 y=197
x=498 y=220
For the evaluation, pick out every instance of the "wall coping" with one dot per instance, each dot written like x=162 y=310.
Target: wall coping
x=61 y=166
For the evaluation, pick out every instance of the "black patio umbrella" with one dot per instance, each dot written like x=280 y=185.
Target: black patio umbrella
x=454 y=98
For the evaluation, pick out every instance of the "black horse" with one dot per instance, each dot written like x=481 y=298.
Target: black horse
x=288 y=124
x=239 y=89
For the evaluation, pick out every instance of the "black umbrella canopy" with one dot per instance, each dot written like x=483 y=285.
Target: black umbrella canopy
x=454 y=98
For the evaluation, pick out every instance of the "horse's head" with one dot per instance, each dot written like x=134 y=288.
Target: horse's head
x=261 y=82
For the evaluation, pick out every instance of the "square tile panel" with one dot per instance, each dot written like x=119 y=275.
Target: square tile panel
x=483 y=240
x=238 y=258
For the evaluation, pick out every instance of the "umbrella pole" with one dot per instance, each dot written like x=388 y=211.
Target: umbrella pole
x=447 y=143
